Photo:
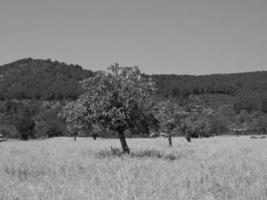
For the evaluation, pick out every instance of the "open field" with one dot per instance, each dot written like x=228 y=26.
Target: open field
x=59 y=168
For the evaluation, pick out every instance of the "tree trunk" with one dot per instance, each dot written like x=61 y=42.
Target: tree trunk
x=124 y=145
x=94 y=136
x=75 y=138
x=170 y=140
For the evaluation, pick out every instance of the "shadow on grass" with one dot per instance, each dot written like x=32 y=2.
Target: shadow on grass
x=141 y=154
x=258 y=137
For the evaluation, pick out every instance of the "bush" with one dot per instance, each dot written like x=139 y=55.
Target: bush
x=5 y=132
x=146 y=153
x=197 y=126
x=259 y=124
x=55 y=129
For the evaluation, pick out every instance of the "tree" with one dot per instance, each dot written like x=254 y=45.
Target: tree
x=73 y=113
x=167 y=114
x=114 y=100
x=25 y=125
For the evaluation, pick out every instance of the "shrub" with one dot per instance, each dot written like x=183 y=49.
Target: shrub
x=197 y=126
x=54 y=129
x=259 y=124
x=5 y=132
x=146 y=153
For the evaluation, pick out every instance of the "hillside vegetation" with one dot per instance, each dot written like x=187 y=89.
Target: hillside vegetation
x=248 y=90
x=41 y=80
x=38 y=79
x=53 y=80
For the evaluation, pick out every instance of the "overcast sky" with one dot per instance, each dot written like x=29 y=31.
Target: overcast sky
x=160 y=36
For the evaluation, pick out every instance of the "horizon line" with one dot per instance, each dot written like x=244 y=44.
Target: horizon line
x=67 y=63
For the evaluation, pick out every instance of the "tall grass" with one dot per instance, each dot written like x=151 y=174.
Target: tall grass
x=214 y=168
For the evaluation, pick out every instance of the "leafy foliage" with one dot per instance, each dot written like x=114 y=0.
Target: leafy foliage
x=112 y=99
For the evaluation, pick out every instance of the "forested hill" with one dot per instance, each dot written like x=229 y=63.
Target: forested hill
x=41 y=79
x=52 y=80
x=230 y=84
x=248 y=90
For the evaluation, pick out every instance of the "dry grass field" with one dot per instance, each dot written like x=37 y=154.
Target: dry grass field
x=213 y=168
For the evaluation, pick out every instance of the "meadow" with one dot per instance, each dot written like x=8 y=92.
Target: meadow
x=222 y=168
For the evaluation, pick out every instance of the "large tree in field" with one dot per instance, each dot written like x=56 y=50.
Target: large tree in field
x=115 y=100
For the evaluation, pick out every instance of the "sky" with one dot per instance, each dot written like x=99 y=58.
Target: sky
x=160 y=36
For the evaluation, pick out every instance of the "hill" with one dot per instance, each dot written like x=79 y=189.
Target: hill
x=230 y=84
x=37 y=79
x=246 y=90
x=41 y=80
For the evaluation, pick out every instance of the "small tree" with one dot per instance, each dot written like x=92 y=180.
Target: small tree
x=166 y=113
x=114 y=100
